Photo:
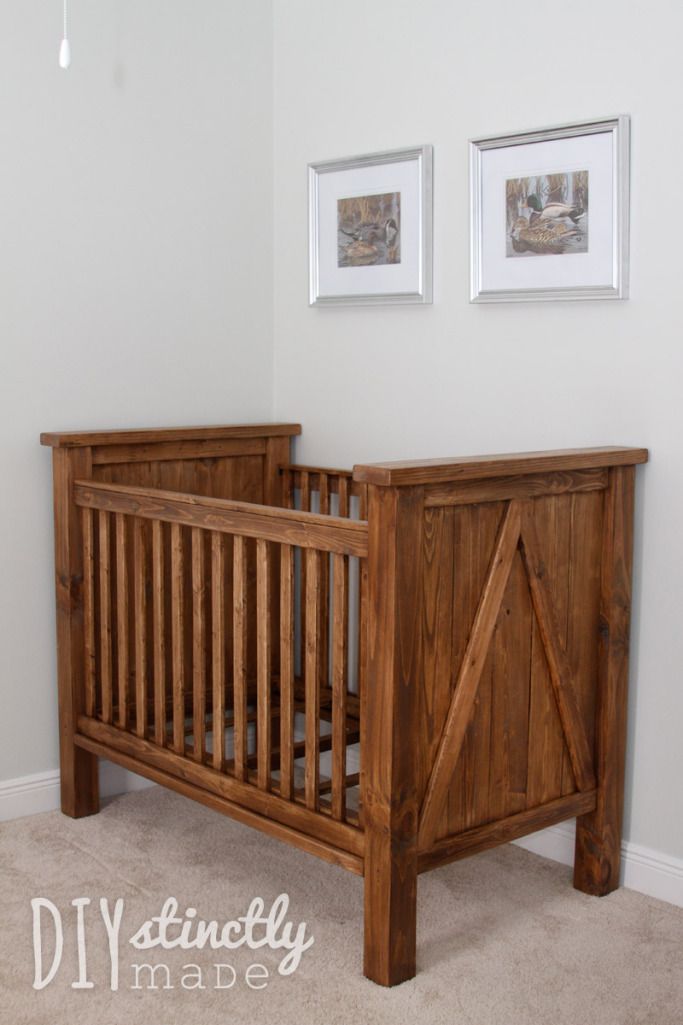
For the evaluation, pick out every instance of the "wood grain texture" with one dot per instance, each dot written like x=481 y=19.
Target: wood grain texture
x=122 y=649
x=312 y=680
x=307 y=530
x=598 y=834
x=140 y=625
x=78 y=769
x=434 y=471
x=340 y=634
x=158 y=634
x=263 y=658
x=389 y=794
x=173 y=777
x=177 y=646
x=505 y=488
x=240 y=656
x=462 y=704
x=286 y=670
x=90 y=655
x=198 y=646
x=153 y=435
x=503 y=830
x=106 y=667
x=340 y=834
x=560 y=670
x=218 y=648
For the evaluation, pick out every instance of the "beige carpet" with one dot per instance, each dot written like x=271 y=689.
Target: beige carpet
x=503 y=937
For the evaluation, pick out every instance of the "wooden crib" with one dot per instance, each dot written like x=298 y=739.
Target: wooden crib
x=390 y=668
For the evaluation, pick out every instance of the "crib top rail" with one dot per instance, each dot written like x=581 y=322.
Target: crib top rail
x=304 y=529
x=154 y=435
x=436 y=471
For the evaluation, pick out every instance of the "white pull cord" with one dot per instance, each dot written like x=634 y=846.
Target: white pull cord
x=65 y=48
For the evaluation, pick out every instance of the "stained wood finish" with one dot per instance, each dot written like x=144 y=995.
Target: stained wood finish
x=435 y=471
x=530 y=485
x=286 y=670
x=307 y=530
x=78 y=769
x=460 y=712
x=154 y=435
x=598 y=834
x=106 y=670
x=493 y=593
x=218 y=647
x=389 y=792
x=158 y=634
x=312 y=677
x=263 y=658
x=178 y=653
x=140 y=611
x=340 y=630
x=240 y=656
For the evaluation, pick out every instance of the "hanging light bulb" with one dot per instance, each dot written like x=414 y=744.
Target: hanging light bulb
x=65 y=48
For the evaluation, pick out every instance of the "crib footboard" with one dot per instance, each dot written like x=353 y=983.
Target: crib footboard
x=499 y=597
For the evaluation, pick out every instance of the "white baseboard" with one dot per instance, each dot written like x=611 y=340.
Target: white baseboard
x=642 y=869
x=29 y=795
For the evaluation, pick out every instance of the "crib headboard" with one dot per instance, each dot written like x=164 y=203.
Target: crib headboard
x=235 y=462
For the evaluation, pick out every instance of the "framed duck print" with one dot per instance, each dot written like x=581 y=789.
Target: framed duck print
x=549 y=213
x=370 y=229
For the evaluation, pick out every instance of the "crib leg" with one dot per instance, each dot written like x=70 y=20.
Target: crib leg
x=390 y=912
x=78 y=768
x=598 y=834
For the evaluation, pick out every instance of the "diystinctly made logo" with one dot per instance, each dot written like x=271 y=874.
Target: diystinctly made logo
x=169 y=931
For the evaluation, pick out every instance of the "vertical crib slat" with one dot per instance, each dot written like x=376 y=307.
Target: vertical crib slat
x=287 y=489
x=343 y=496
x=105 y=619
x=139 y=567
x=305 y=491
x=198 y=647
x=263 y=699
x=218 y=647
x=122 y=618
x=324 y=610
x=286 y=671
x=240 y=655
x=177 y=639
x=312 y=680
x=159 y=643
x=340 y=571
x=89 y=610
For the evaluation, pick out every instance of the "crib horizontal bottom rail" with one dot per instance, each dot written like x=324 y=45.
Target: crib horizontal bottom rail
x=267 y=807
x=321 y=849
x=491 y=834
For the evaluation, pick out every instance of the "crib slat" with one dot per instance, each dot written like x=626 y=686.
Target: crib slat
x=312 y=680
x=324 y=612
x=305 y=491
x=158 y=642
x=286 y=671
x=177 y=639
x=122 y=618
x=218 y=647
x=139 y=568
x=340 y=623
x=198 y=646
x=89 y=610
x=105 y=619
x=240 y=655
x=343 y=492
x=264 y=721
x=288 y=488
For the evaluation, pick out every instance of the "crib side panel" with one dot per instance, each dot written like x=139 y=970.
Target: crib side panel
x=514 y=754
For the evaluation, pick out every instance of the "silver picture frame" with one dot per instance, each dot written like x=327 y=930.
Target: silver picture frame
x=373 y=289
x=614 y=266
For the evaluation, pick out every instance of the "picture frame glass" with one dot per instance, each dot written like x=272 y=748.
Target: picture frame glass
x=574 y=251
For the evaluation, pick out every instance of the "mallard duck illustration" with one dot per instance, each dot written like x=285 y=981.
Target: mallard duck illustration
x=550 y=236
x=552 y=211
x=373 y=232
x=359 y=252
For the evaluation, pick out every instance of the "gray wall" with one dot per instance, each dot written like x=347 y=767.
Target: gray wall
x=135 y=267
x=360 y=76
